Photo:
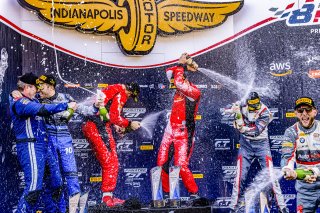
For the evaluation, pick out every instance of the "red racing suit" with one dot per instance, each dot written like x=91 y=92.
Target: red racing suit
x=99 y=135
x=178 y=139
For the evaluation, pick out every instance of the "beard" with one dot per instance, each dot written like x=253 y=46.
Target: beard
x=310 y=123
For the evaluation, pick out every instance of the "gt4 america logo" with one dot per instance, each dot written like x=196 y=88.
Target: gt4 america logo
x=296 y=15
x=135 y=23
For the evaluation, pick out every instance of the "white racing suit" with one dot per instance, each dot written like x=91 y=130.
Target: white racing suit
x=254 y=143
x=302 y=146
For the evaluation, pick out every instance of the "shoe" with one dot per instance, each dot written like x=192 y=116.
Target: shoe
x=112 y=202
x=117 y=201
x=108 y=201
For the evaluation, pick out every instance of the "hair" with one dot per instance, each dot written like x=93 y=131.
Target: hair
x=21 y=85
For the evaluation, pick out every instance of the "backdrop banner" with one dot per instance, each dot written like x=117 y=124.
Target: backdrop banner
x=280 y=62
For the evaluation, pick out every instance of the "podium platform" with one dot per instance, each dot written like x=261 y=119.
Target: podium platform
x=203 y=209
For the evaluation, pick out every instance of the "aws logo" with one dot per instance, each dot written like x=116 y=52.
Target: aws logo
x=280 y=69
x=135 y=23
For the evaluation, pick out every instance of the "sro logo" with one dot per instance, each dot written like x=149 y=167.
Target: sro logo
x=133 y=112
x=135 y=23
x=125 y=145
x=135 y=172
x=80 y=144
x=222 y=144
x=223 y=202
x=229 y=172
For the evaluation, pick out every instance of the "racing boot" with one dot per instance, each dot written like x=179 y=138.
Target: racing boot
x=118 y=202
x=112 y=202
x=108 y=201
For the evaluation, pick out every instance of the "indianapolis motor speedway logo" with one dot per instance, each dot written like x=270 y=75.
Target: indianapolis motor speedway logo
x=135 y=23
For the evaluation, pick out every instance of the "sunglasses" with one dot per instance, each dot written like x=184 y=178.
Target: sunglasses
x=301 y=110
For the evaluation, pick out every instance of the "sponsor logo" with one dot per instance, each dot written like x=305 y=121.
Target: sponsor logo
x=146 y=147
x=280 y=69
x=302 y=140
x=290 y=115
x=92 y=203
x=222 y=144
x=72 y=85
x=238 y=145
x=135 y=23
x=202 y=86
x=103 y=85
x=229 y=173
x=143 y=86
x=315 y=31
x=289 y=199
x=95 y=179
x=80 y=145
x=216 y=86
x=222 y=202
x=197 y=176
x=298 y=14
x=88 y=85
x=133 y=112
x=313 y=59
x=14 y=149
x=22 y=182
x=184 y=198
x=198 y=117
x=276 y=142
x=161 y=86
x=314 y=73
x=134 y=176
x=125 y=145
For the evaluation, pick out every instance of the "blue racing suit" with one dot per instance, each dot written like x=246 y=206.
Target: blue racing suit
x=254 y=143
x=59 y=135
x=33 y=150
x=301 y=146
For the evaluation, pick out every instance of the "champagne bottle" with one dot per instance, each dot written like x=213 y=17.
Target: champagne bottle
x=301 y=173
x=68 y=114
x=103 y=114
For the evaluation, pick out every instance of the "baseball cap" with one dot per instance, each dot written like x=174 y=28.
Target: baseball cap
x=48 y=79
x=304 y=101
x=253 y=101
x=28 y=78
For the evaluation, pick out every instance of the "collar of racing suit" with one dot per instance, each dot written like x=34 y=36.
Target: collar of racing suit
x=310 y=130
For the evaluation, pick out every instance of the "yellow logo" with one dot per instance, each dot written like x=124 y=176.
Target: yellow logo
x=103 y=85
x=281 y=74
x=135 y=23
x=146 y=147
x=198 y=176
x=290 y=115
x=95 y=179
x=304 y=100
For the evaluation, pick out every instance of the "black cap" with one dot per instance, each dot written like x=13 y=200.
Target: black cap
x=134 y=88
x=304 y=101
x=253 y=98
x=29 y=78
x=48 y=79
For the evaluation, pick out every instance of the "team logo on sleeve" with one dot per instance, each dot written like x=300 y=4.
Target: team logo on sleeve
x=135 y=23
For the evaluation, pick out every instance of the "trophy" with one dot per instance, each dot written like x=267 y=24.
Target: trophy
x=156 y=187
x=174 y=172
